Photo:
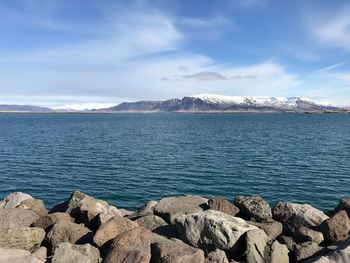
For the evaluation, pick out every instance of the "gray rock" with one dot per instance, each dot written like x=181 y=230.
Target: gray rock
x=212 y=229
x=147 y=208
x=294 y=216
x=133 y=245
x=222 y=205
x=40 y=253
x=175 y=251
x=216 y=256
x=340 y=255
x=272 y=228
x=125 y=212
x=336 y=228
x=151 y=222
x=14 y=199
x=170 y=208
x=304 y=234
x=253 y=207
x=277 y=253
x=49 y=220
x=27 y=238
x=69 y=253
x=35 y=205
x=256 y=241
x=16 y=217
x=11 y=255
x=288 y=241
x=65 y=231
x=306 y=250
x=344 y=204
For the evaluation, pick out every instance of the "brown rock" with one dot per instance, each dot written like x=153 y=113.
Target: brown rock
x=40 y=253
x=65 y=231
x=277 y=253
x=133 y=245
x=304 y=234
x=253 y=207
x=216 y=256
x=221 y=204
x=14 y=199
x=16 y=217
x=305 y=250
x=175 y=251
x=112 y=228
x=151 y=222
x=336 y=228
x=27 y=238
x=35 y=205
x=46 y=221
x=288 y=241
x=344 y=204
x=272 y=228
x=69 y=253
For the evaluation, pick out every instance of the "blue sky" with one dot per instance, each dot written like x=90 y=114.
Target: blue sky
x=57 y=52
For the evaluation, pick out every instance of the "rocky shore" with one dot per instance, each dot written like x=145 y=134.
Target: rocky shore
x=180 y=229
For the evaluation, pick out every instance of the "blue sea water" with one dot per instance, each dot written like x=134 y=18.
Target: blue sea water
x=127 y=159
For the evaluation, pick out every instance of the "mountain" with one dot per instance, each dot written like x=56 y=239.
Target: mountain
x=218 y=103
x=23 y=108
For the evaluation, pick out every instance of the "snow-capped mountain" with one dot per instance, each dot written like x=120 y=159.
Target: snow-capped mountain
x=218 y=103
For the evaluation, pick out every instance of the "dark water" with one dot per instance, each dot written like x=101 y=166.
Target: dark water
x=129 y=158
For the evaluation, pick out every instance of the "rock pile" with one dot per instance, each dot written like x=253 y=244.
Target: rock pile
x=182 y=229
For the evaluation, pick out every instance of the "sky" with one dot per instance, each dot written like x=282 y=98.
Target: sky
x=90 y=53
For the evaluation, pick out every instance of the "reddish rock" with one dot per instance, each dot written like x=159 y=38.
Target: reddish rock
x=222 y=205
x=336 y=228
x=46 y=221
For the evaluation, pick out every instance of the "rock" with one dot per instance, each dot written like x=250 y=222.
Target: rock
x=216 y=256
x=336 y=228
x=253 y=207
x=14 y=199
x=277 y=253
x=304 y=234
x=26 y=238
x=256 y=241
x=147 y=208
x=59 y=208
x=125 y=212
x=35 y=205
x=272 y=228
x=133 y=245
x=222 y=205
x=340 y=255
x=48 y=220
x=40 y=253
x=16 y=217
x=151 y=222
x=175 y=251
x=344 y=204
x=85 y=208
x=288 y=241
x=305 y=250
x=212 y=229
x=113 y=228
x=294 y=216
x=65 y=231
x=170 y=208
x=168 y=231
x=12 y=255
x=69 y=253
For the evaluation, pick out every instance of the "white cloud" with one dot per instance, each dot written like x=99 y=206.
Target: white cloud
x=328 y=68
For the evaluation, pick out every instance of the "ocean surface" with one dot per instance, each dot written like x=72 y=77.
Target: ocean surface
x=127 y=159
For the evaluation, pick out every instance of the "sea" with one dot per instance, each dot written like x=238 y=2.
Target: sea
x=129 y=158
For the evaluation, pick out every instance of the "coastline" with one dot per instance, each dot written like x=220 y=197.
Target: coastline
x=172 y=229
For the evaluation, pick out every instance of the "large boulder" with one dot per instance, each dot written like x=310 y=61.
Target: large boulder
x=35 y=205
x=49 y=220
x=277 y=253
x=26 y=238
x=89 y=210
x=16 y=217
x=271 y=227
x=253 y=207
x=133 y=245
x=65 y=231
x=294 y=216
x=11 y=255
x=151 y=222
x=305 y=250
x=340 y=255
x=175 y=251
x=69 y=253
x=344 y=204
x=216 y=256
x=14 y=199
x=304 y=234
x=336 y=228
x=256 y=241
x=112 y=228
x=40 y=253
x=222 y=205
x=212 y=229
x=170 y=208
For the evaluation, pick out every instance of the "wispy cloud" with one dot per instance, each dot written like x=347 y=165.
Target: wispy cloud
x=331 y=67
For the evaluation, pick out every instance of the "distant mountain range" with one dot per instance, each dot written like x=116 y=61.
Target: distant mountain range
x=205 y=103
x=217 y=103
